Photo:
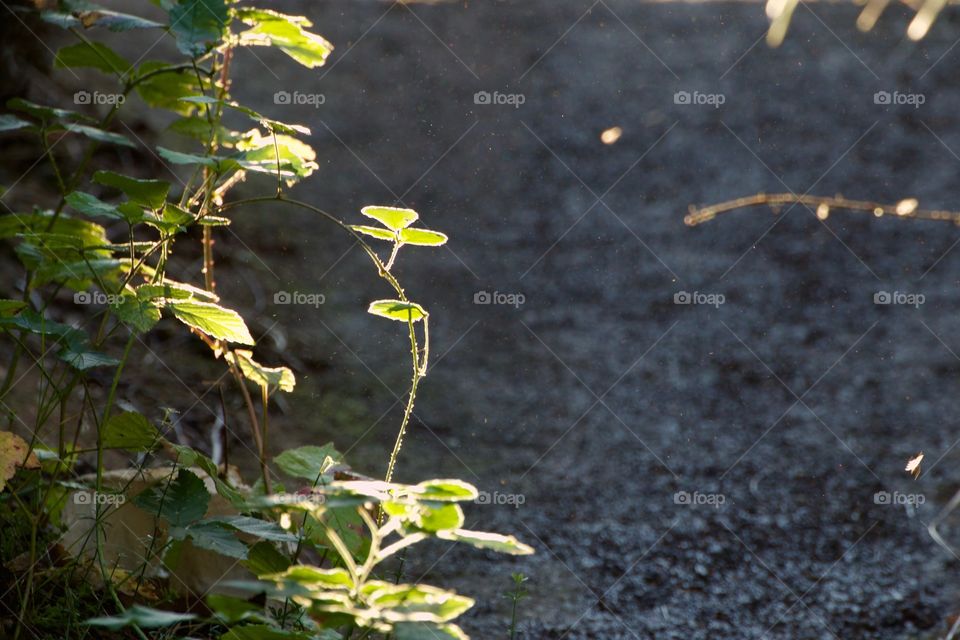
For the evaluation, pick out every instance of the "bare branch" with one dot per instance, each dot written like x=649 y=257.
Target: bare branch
x=906 y=208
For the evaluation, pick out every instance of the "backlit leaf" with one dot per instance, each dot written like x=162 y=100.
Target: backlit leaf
x=391 y=217
x=485 y=540
x=375 y=232
x=397 y=310
x=269 y=378
x=287 y=33
x=422 y=237
x=211 y=319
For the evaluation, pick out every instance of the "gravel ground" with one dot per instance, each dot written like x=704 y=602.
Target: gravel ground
x=781 y=412
x=588 y=410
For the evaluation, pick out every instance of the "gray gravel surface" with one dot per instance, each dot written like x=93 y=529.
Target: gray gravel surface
x=781 y=413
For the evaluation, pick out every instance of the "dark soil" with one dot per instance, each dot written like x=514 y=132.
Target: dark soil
x=598 y=399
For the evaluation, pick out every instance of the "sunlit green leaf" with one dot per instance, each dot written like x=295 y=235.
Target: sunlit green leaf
x=452 y=490
x=297 y=158
x=211 y=319
x=313 y=577
x=173 y=290
x=287 y=33
x=427 y=631
x=484 y=540
x=375 y=232
x=397 y=310
x=391 y=217
x=416 y=603
x=427 y=516
x=422 y=237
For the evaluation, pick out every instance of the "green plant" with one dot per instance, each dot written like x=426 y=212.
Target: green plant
x=108 y=237
x=515 y=595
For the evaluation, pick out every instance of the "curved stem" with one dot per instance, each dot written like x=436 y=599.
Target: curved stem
x=381 y=267
x=419 y=365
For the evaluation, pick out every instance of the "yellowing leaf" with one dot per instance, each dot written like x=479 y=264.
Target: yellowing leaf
x=13 y=455
x=270 y=378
